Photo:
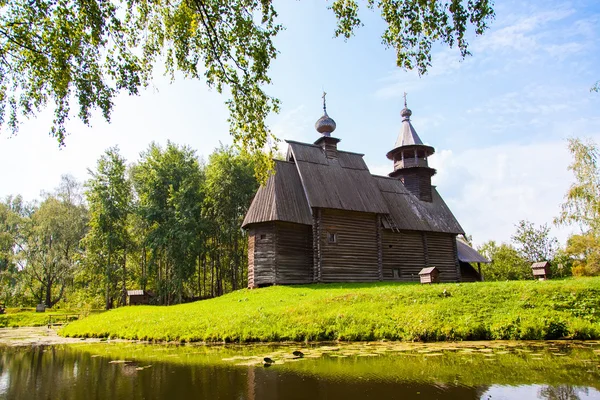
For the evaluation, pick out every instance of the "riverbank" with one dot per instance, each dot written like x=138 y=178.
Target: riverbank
x=525 y=310
x=37 y=336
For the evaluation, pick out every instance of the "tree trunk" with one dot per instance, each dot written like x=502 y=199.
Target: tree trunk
x=108 y=305
x=124 y=290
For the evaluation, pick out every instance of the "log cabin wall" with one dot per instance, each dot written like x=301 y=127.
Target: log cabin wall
x=403 y=255
x=353 y=257
x=418 y=182
x=261 y=255
x=294 y=253
x=441 y=250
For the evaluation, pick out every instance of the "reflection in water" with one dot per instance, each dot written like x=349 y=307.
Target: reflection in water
x=563 y=392
x=137 y=372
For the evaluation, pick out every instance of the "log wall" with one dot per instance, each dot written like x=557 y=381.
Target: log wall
x=294 y=253
x=261 y=255
x=411 y=251
x=354 y=256
x=418 y=182
x=441 y=249
x=404 y=251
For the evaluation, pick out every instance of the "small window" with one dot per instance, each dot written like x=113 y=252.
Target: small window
x=396 y=273
x=331 y=237
x=263 y=236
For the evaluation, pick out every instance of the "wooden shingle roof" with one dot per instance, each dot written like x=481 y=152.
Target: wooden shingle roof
x=410 y=213
x=468 y=254
x=280 y=199
x=344 y=183
x=311 y=180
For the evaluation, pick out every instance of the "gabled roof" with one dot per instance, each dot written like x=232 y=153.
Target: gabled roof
x=280 y=199
x=311 y=180
x=428 y=270
x=344 y=183
x=410 y=213
x=468 y=254
x=540 y=264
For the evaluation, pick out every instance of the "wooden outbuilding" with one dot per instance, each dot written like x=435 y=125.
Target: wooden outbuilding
x=323 y=217
x=429 y=275
x=138 y=297
x=541 y=270
x=468 y=257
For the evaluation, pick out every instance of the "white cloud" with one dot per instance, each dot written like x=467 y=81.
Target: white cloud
x=491 y=189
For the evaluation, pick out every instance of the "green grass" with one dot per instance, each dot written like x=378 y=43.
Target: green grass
x=20 y=317
x=357 y=312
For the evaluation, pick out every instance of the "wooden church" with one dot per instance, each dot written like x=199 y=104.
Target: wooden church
x=323 y=217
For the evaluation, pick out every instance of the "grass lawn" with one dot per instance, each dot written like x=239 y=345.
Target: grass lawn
x=395 y=311
x=19 y=317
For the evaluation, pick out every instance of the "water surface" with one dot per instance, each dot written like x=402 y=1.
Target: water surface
x=476 y=370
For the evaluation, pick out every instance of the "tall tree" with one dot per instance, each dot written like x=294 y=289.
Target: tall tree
x=585 y=252
x=582 y=201
x=506 y=263
x=168 y=183
x=51 y=245
x=534 y=244
x=230 y=186
x=13 y=214
x=55 y=52
x=109 y=197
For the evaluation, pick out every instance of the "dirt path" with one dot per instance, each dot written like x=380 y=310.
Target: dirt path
x=35 y=336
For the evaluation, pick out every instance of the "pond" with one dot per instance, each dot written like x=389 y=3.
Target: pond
x=469 y=370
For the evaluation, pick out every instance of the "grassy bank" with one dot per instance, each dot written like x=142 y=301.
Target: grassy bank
x=21 y=317
x=474 y=311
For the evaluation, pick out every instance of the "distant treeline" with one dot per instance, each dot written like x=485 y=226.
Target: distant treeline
x=167 y=223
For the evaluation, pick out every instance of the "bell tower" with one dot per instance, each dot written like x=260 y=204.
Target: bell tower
x=410 y=159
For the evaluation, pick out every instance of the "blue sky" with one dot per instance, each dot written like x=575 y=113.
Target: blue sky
x=499 y=120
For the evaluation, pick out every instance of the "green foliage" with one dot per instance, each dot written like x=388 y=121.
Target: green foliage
x=49 y=244
x=56 y=53
x=582 y=201
x=230 y=185
x=109 y=196
x=507 y=263
x=476 y=311
x=585 y=252
x=534 y=244
x=413 y=26
x=168 y=184
x=12 y=217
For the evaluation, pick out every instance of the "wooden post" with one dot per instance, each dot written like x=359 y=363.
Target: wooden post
x=425 y=250
x=379 y=248
x=276 y=269
x=314 y=245
x=317 y=244
x=319 y=250
x=455 y=250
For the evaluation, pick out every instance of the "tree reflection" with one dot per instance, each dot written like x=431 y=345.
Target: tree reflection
x=563 y=392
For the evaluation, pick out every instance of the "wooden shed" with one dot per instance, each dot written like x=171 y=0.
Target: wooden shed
x=468 y=258
x=430 y=275
x=138 y=297
x=541 y=270
x=323 y=217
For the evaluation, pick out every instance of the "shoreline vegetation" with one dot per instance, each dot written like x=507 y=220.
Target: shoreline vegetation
x=516 y=310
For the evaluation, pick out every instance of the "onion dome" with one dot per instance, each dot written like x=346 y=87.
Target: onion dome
x=325 y=125
x=405 y=113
